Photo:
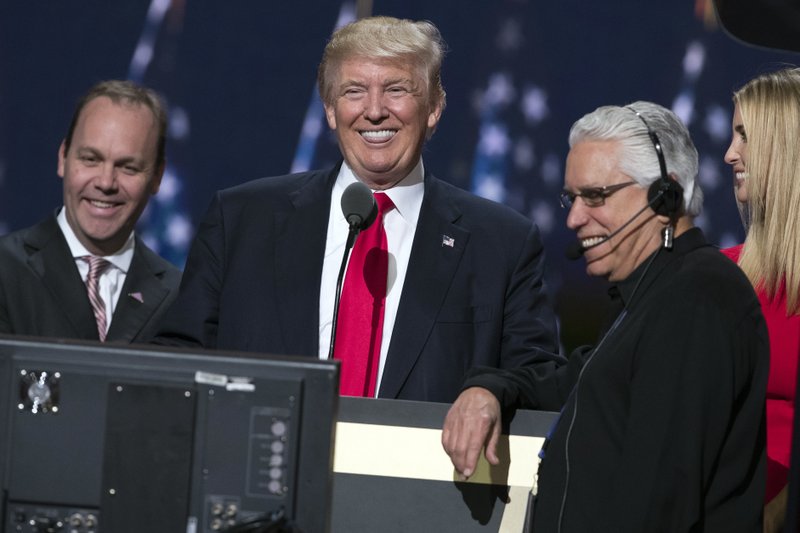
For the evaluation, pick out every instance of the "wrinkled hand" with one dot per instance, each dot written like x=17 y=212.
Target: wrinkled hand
x=472 y=423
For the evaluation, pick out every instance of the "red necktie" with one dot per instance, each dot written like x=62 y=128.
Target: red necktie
x=359 y=327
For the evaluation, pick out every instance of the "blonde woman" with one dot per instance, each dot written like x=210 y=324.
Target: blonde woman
x=765 y=156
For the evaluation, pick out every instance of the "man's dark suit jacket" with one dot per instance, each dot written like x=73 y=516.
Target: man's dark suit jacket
x=473 y=293
x=42 y=294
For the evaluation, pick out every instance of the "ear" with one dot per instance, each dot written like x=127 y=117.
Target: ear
x=434 y=116
x=330 y=114
x=62 y=155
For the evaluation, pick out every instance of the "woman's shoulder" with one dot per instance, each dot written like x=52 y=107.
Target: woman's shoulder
x=733 y=252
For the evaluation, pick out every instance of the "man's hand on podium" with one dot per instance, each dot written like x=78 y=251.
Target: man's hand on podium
x=472 y=423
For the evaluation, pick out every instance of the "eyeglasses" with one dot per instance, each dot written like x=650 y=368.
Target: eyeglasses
x=592 y=196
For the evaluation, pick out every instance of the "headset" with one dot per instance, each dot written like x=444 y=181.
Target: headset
x=665 y=195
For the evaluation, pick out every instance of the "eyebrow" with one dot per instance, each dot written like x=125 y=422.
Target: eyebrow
x=739 y=128
x=348 y=84
x=87 y=149
x=124 y=160
x=394 y=81
x=586 y=188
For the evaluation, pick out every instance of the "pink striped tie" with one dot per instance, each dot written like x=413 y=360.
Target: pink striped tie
x=96 y=267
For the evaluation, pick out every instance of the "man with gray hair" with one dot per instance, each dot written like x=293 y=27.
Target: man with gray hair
x=442 y=281
x=662 y=427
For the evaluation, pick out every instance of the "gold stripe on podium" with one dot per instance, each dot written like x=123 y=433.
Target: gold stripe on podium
x=416 y=453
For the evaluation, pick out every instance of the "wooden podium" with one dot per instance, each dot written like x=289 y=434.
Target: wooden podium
x=392 y=475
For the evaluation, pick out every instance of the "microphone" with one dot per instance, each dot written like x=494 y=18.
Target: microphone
x=359 y=206
x=360 y=210
x=575 y=249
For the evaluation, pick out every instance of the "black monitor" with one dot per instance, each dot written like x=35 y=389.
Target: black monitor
x=117 y=439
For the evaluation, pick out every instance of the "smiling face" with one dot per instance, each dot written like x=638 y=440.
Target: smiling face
x=592 y=164
x=736 y=156
x=382 y=114
x=109 y=172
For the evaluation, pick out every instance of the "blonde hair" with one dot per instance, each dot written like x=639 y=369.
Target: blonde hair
x=388 y=38
x=770 y=110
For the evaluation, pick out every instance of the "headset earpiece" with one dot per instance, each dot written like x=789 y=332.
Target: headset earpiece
x=666 y=197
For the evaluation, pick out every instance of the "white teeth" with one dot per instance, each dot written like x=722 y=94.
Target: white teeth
x=101 y=204
x=380 y=135
x=591 y=241
x=742 y=175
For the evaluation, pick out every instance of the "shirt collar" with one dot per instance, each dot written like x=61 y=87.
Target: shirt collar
x=406 y=195
x=121 y=258
x=686 y=242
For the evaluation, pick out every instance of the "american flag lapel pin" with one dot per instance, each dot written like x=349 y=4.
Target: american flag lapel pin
x=447 y=240
x=137 y=296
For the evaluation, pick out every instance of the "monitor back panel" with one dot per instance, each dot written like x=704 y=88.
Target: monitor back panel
x=123 y=440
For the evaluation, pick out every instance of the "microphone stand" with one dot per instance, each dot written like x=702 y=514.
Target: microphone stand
x=355 y=228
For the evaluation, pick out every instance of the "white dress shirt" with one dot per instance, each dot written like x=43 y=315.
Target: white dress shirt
x=113 y=278
x=400 y=225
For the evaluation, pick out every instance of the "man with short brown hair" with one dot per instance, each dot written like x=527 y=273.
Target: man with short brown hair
x=82 y=273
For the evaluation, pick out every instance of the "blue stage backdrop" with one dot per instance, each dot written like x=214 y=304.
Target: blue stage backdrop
x=239 y=78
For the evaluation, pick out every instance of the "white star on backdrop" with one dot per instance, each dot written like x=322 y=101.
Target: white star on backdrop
x=494 y=140
x=490 y=187
x=500 y=91
x=534 y=105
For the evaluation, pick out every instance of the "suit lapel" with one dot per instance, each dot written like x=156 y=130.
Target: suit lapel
x=437 y=250
x=299 y=252
x=49 y=257
x=142 y=293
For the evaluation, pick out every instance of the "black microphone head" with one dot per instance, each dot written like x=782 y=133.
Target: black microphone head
x=359 y=206
x=574 y=250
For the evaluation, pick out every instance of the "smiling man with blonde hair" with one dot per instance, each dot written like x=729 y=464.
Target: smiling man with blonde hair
x=452 y=281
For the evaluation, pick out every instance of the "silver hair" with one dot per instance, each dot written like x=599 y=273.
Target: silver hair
x=637 y=155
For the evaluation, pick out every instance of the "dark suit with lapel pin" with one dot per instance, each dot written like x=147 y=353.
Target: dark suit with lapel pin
x=473 y=293
x=42 y=294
